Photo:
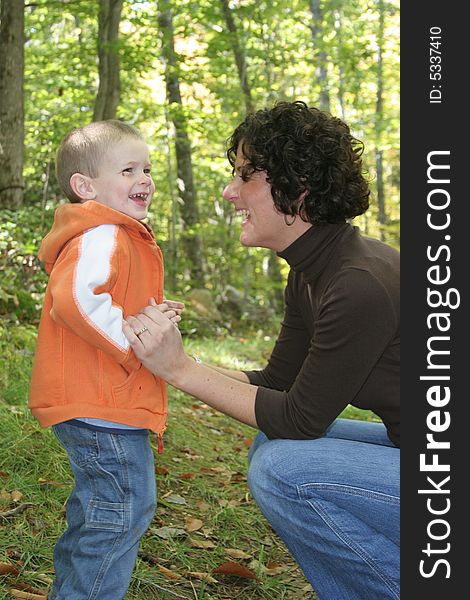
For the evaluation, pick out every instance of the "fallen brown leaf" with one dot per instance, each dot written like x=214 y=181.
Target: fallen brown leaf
x=221 y=469
x=267 y=541
x=273 y=568
x=148 y=557
x=235 y=569
x=175 y=499
x=202 y=576
x=8 y=568
x=202 y=544
x=234 y=553
x=43 y=481
x=223 y=503
x=25 y=587
x=16 y=495
x=188 y=450
x=162 y=470
x=167 y=532
x=193 y=524
x=168 y=572
x=229 y=429
x=45 y=578
x=208 y=471
x=26 y=595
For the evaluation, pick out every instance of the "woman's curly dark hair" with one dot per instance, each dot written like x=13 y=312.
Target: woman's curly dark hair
x=304 y=150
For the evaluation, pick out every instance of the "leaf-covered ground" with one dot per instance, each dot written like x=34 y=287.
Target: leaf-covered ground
x=208 y=539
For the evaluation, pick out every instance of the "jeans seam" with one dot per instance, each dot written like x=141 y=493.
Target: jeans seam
x=127 y=461
x=122 y=458
x=343 y=537
x=349 y=489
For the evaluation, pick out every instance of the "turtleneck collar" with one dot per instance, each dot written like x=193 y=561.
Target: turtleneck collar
x=311 y=251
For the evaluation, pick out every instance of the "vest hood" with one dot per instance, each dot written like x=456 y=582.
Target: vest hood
x=71 y=220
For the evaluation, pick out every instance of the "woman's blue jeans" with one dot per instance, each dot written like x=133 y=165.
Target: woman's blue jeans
x=110 y=508
x=335 y=502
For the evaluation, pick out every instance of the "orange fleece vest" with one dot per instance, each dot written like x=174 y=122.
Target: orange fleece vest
x=103 y=266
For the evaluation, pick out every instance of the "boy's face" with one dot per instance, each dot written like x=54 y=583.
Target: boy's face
x=124 y=181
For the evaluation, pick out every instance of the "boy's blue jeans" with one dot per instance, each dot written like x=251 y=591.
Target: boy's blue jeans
x=110 y=508
x=335 y=502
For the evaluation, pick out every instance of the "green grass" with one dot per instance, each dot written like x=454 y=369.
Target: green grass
x=204 y=462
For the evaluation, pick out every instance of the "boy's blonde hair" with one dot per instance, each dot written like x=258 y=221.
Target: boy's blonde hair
x=83 y=148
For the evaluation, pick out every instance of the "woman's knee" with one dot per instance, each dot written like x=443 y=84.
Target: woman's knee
x=262 y=474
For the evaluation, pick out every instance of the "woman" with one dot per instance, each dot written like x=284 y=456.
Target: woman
x=328 y=486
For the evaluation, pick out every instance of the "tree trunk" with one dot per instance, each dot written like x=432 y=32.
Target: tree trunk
x=382 y=218
x=320 y=54
x=274 y=269
x=171 y=265
x=339 y=35
x=11 y=103
x=187 y=191
x=239 y=55
x=109 y=89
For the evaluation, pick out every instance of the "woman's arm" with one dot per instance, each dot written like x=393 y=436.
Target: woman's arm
x=161 y=351
x=238 y=375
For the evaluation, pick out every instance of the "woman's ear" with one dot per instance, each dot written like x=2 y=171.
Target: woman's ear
x=301 y=204
x=82 y=186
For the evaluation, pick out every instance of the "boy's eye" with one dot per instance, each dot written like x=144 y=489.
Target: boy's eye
x=147 y=171
x=128 y=170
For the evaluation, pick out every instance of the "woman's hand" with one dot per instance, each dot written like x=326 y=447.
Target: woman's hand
x=155 y=338
x=156 y=341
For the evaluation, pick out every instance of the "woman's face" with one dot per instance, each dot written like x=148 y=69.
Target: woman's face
x=262 y=224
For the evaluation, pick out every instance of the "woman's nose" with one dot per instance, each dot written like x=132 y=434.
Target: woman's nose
x=230 y=192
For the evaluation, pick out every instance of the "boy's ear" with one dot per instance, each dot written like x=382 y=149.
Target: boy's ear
x=82 y=186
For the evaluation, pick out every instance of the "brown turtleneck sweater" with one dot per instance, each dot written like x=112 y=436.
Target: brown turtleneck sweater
x=340 y=341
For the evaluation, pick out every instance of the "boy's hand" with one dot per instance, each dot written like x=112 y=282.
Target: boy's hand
x=178 y=307
x=170 y=308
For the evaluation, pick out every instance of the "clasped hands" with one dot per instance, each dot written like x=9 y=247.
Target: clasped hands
x=159 y=345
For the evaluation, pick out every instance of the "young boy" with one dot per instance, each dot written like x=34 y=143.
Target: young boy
x=103 y=264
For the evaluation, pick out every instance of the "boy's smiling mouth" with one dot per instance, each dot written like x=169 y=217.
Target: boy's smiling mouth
x=139 y=198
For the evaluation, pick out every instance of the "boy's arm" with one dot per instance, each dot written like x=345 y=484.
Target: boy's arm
x=80 y=285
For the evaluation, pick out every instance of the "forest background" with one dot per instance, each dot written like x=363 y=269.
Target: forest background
x=185 y=73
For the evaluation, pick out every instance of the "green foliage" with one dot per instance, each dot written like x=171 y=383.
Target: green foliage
x=60 y=90
x=17 y=343
x=204 y=462
x=22 y=279
x=61 y=85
